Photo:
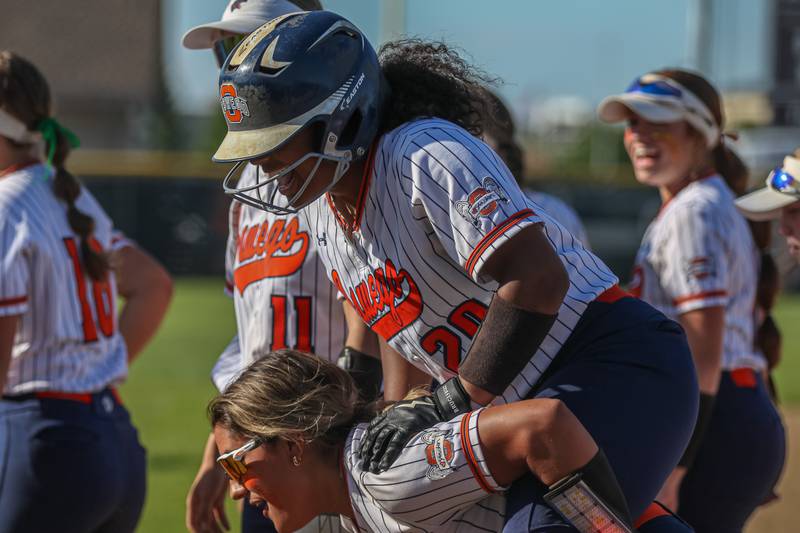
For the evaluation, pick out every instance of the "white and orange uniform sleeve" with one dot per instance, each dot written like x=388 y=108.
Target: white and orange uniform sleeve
x=691 y=263
x=14 y=268
x=440 y=482
x=466 y=193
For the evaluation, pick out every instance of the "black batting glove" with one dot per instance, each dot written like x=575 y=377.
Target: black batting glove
x=391 y=430
x=365 y=370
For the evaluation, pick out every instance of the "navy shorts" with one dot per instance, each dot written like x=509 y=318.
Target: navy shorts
x=626 y=372
x=739 y=461
x=69 y=466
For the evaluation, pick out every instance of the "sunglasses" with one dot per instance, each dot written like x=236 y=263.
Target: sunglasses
x=224 y=47
x=783 y=182
x=656 y=88
x=233 y=462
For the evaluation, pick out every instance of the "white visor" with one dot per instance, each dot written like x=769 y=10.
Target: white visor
x=766 y=203
x=661 y=100
x=240 y=17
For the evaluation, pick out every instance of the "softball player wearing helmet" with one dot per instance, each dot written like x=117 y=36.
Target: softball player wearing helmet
x=433 y=243
x=65 y=438
x=282 y=295
x=698 y=264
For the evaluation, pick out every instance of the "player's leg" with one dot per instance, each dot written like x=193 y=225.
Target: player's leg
x=627 y=375
x=253 y=521
x=739 y=461
x=131 y=477
x=659 y=519
x=55 y=472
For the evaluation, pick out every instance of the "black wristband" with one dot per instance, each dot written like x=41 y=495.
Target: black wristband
x=703 y=418
x=365 y=370
x=451 y=399
x=505 y=342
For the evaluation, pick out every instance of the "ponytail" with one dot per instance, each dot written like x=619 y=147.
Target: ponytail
x=67 y=188
x=430 y=79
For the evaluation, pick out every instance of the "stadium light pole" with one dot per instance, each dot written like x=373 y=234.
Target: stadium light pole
x=700 y=35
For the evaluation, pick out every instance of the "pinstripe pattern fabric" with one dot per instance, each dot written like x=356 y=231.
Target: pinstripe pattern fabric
x=699 y=253
x=67 y=338
x=439 y=202
x=281 y=292
x=562 y=212
x=439 y=483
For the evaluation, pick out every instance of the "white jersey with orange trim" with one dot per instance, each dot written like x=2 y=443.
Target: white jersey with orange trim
x=67 y=338
x=440 y=482
x=562 y=212
x=699 y=253
x=281 y=292
x=435 y=204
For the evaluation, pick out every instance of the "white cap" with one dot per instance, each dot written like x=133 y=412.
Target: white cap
x=661 y=99
x=241 y=17
x=766 y=203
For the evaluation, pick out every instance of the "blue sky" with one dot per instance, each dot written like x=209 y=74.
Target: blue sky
x=540 y=48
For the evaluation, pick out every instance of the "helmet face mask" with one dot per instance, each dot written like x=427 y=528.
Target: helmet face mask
x=298 y=71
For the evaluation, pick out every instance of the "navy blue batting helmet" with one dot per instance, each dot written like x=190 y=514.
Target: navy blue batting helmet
x=295 y=71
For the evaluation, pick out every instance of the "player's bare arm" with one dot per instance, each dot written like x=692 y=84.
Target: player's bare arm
x=147 y=289
x=399 y=375
x=8 y=327
x=205 y=503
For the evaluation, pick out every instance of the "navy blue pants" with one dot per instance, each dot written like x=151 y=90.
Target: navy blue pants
x=627 y=374
x=253 y=521
x=739 y=461
x=70 y=467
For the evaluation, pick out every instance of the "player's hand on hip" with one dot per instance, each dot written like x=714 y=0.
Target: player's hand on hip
x=205 y=503
x=390 y=431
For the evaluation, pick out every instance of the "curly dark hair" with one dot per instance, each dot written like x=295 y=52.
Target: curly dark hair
x=431 y=79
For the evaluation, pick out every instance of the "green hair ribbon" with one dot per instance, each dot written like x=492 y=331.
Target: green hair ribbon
x=50 y=129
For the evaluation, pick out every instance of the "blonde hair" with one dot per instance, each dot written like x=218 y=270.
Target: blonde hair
x=292 y=396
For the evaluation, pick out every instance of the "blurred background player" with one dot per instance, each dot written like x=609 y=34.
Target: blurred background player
x=282 y=296
x=698 y=264
x=500 y=133
x=432 y=241
x=65 y=438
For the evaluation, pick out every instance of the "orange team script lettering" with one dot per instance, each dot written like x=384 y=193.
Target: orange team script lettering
x=382 y=301
x=279 y=249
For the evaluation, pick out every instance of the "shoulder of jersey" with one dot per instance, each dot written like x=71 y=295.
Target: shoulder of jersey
x=20 y=182
x=414 y=128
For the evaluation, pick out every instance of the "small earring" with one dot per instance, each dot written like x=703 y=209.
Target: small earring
x=295 y=460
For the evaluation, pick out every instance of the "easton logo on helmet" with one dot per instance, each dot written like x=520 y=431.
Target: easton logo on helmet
x=233 y=106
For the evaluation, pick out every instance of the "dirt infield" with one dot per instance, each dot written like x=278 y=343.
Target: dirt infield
x=784 y=515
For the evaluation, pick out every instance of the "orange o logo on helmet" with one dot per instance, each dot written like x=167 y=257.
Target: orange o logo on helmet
x=234 y=107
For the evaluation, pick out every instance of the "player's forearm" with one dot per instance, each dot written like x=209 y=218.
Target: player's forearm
x=8 y=328
x=705 y=331
x=399 y=375
x=359 y=336
x=210 y=454
x=147 y=289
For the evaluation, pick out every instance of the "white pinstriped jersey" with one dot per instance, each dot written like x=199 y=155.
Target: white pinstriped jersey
x=281 y=292
x=562 y=212
x=67 y=338
x=436 y=204
x=440 y=482
x=699 y=253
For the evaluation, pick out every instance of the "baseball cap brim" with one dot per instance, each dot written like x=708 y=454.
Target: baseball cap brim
x=247 y=145
x=204 y=36
x=764 y=204
x=617 y=109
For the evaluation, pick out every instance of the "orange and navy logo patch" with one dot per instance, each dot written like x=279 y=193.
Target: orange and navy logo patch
x=482 y=201
x=233 y=106
x=700 y=268
x=439 y=453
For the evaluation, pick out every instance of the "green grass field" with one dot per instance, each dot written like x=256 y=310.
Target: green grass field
x=169 y=388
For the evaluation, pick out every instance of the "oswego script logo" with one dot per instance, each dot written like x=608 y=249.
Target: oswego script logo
x=279 y=250
x=388 y=300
